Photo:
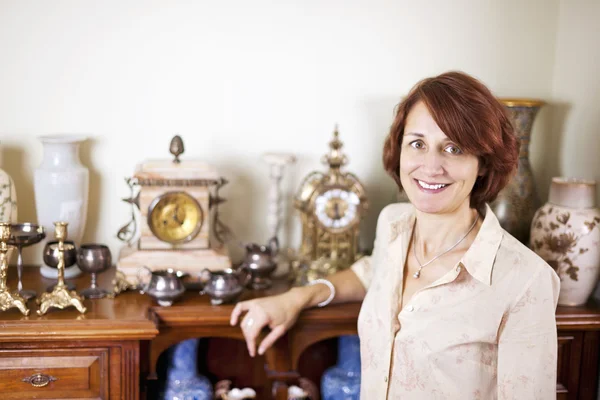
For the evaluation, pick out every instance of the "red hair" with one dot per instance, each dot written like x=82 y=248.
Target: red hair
x=468 y=113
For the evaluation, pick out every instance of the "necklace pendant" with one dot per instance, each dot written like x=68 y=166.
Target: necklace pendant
x=417 y=274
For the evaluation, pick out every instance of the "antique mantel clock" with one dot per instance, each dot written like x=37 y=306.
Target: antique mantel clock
x=332 y=205
x=176 y=205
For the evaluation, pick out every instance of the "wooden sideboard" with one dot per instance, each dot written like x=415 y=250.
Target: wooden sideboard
x=111 y=352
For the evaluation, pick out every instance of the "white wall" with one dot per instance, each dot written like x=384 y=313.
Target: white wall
x=576 y=91
x=237 y=78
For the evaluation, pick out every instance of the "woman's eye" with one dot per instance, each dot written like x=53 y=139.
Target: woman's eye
x=453 y=150
x=417 y=144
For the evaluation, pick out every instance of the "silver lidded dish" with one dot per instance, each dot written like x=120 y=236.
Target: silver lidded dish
x=224 y=286
x=165 y=286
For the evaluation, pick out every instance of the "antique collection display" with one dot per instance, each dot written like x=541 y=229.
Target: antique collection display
x=175 y=234
x=331 y=205
x=174 y=202
x=566 y=233
x=60 y=297
x=8 y=300
x=61 y=188
x=94 y=258
x=24 y=235
x=517 y=202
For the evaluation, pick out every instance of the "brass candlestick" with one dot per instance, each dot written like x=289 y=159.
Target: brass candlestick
x=8 y=300
x=60 y=297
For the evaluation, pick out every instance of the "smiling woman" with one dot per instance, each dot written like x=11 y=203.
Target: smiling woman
x=453 y=306
x=460 y=113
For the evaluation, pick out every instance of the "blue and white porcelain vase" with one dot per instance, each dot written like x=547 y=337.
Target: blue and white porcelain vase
x=182 y=379
x=342 y=381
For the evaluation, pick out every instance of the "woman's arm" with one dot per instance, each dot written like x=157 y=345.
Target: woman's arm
x=348 y=288
x=527 y=344
x=280 y=312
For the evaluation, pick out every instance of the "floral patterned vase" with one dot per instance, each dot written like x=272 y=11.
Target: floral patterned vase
x=182 y=379
x=8 y=202
x=566 y=233
x=517 y=202
x=342 y=381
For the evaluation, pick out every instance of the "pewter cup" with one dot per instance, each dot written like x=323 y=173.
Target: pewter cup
x=224 y=286
x=24 y=235
x=94 y=258
x=50 y=256
x=164 y=285
x=260 y=261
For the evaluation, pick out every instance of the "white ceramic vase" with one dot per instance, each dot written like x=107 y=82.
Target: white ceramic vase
x=566 y=233
x=8 y=202
x=61 y=185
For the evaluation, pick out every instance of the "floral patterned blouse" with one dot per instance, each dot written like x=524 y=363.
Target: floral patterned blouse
x=485 y=330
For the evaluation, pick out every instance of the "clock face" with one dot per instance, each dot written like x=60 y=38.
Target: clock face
x=175 y=217
x=337 y=208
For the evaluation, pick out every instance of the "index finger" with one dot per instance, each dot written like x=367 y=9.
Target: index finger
x=237 y=311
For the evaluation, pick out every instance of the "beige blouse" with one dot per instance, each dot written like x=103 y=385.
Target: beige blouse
x=485 y=330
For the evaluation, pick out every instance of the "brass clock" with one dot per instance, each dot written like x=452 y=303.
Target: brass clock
x=174 y=217
x=331 y=205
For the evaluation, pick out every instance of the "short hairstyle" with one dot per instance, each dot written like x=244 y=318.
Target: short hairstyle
x=468 y=113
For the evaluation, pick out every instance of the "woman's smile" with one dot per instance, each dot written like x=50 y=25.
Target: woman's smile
x=428 y=187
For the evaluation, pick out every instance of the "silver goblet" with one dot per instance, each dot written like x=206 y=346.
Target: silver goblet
x=50 y=257
x=24 y=235
x=94 y=258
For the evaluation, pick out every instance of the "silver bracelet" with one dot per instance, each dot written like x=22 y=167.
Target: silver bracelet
x=331 y=290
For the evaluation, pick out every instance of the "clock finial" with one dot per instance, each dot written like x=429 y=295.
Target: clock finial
x=176 y=148
x=335 y=158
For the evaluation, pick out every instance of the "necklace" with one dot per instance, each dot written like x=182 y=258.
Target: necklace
x=421 y=266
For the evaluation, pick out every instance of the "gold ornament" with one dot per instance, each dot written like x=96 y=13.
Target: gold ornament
x=332 y=205
x=60 y=297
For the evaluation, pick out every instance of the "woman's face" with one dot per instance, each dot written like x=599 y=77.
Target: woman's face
x=436 y=175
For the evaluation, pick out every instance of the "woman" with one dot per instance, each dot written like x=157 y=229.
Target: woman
x=453 y=306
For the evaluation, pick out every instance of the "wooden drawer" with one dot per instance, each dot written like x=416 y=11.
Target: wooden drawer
x=569 y=359
x=75 y=373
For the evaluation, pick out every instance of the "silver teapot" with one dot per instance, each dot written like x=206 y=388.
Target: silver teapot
x=260 y=261
x=224 y=286
x=164 y=285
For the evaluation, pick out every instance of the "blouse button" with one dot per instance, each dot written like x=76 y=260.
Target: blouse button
x=410 y=308
x=385 y=379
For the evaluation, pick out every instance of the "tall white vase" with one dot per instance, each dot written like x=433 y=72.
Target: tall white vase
x=61 y=185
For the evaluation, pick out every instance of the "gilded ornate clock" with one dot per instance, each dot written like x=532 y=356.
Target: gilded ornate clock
x=175 y=205
x=332 y=205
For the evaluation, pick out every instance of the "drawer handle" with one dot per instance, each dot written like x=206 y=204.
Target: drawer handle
x=39 y=380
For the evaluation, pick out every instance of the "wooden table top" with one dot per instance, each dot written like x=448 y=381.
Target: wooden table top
x=126 y=316
x=136 y=316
